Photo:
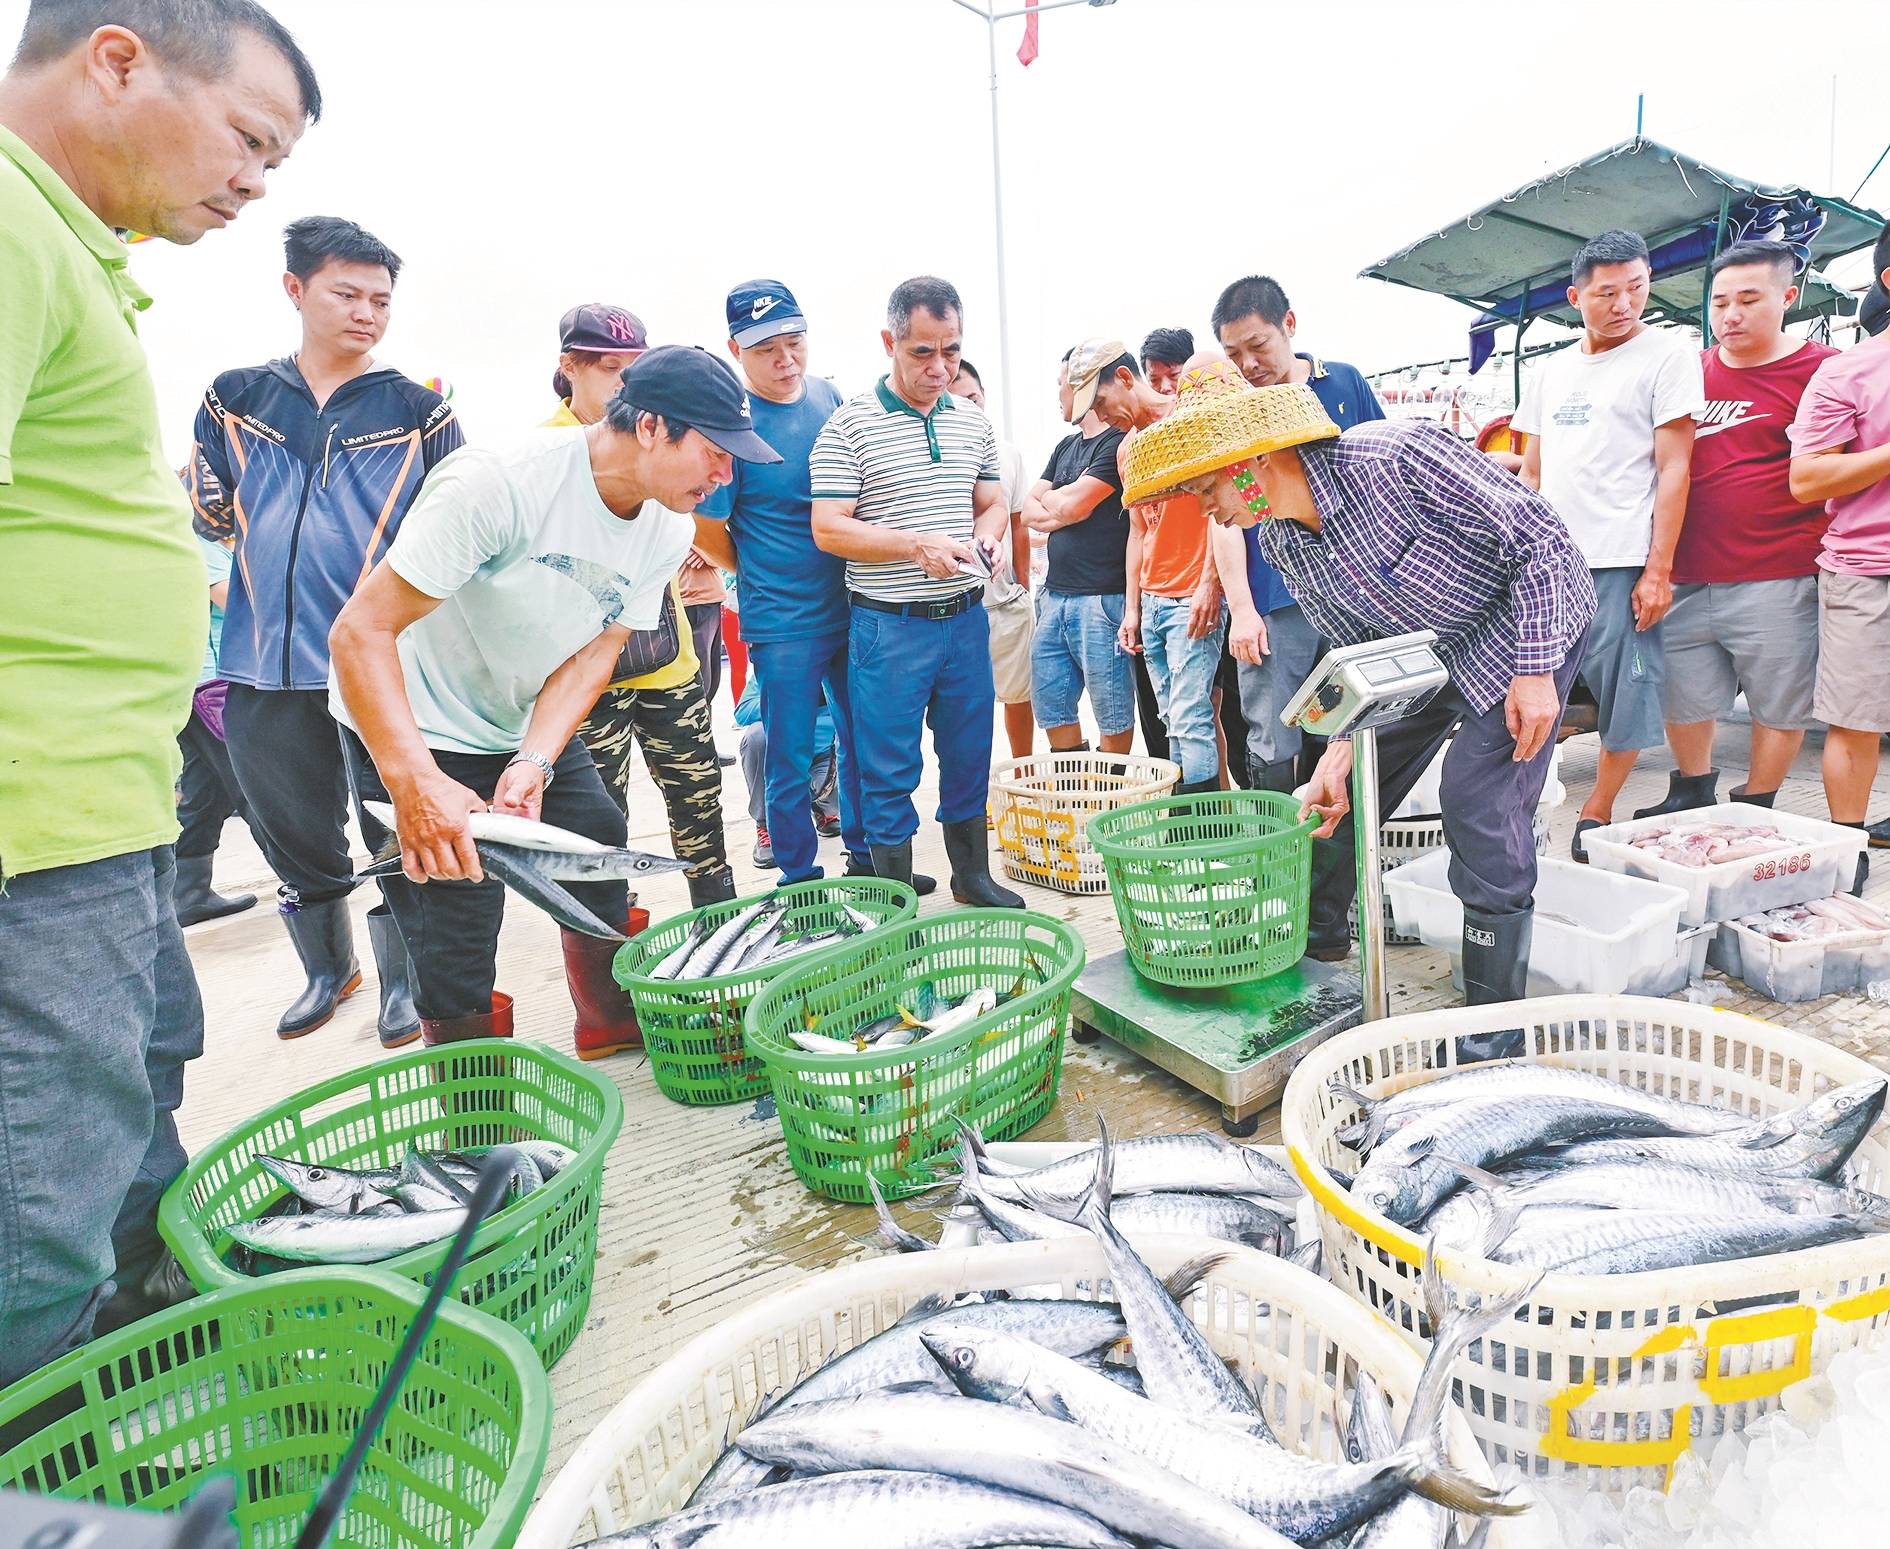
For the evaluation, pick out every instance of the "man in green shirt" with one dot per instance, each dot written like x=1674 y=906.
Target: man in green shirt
x=163 y=117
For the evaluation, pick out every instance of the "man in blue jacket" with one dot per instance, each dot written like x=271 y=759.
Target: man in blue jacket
x=310 y=463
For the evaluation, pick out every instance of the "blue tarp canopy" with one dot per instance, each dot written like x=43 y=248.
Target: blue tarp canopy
x=1510 y=259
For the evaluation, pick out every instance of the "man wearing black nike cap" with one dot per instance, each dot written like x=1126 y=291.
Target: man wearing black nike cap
x=465 y=663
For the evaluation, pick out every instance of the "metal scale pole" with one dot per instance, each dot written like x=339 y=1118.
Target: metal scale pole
x=1371 y=879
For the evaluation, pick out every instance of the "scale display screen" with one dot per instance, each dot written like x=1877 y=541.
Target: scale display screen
x=1373 y=684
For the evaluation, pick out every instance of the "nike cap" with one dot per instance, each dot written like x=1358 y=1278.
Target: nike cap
x=1088 y=361
x=759 y=310
x=603 y=330
x=689 y=386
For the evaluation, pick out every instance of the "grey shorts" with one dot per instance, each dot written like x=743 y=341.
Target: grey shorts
x=1624 y=668
x=1757 y=636
x=1853 y=645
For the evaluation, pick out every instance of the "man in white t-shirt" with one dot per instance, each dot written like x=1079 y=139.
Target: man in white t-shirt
x=1610 y=427
x=465 y=663
x=1007 y=594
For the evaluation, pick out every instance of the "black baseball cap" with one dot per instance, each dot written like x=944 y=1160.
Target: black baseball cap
x=689 y=386
x=601 y=329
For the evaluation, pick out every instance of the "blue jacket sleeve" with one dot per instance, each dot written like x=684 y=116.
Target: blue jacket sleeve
x=206 y=473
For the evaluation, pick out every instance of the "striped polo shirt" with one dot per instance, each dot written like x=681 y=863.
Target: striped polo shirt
x=906 y=470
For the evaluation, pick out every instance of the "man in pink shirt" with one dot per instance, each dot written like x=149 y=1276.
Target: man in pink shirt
x=1841 y=455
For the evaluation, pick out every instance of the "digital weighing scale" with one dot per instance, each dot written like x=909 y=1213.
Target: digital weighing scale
x=1239 y=1043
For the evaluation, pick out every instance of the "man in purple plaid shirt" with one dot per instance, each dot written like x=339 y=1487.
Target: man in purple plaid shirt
x=1390 y=527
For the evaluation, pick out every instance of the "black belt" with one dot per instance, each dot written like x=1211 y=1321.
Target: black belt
x=945 y=608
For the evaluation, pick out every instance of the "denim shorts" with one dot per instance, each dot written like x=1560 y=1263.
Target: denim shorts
x=1625 y=668
x=1074 y=648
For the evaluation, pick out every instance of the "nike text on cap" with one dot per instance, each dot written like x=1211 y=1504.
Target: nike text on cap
x=689 y=386
x=602 y=329
x=758 y=310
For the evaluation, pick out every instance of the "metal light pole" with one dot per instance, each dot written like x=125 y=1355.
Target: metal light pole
x=991 y=16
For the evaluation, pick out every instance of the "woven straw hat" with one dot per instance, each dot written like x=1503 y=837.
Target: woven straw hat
x=1217 y=420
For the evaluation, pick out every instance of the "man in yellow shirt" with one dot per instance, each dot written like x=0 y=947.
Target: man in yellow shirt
x=666 y=710
x=105 y=614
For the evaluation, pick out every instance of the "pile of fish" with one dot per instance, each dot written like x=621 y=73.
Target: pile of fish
x=1708 y=844
x=755 y=938
x=336 y=1215
x=921 y=1013
x=1822 y=917
x=535 y=860
x=1202 y=1185
x=1000 y=1421
x=1556 y=1169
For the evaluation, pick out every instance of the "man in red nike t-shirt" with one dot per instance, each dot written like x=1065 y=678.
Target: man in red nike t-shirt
x=1745 y=589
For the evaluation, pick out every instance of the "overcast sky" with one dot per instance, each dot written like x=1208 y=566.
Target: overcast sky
x=526 y=155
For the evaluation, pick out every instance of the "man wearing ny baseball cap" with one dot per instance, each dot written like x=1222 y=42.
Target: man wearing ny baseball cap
x=464 y=664
x=794 y=612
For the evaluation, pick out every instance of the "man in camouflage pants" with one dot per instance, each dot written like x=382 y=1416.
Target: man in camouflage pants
x=673 y=725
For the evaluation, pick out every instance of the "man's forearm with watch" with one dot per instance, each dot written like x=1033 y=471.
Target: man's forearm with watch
x=557 y=713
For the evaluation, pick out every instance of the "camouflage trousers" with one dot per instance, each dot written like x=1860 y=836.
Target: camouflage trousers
x=679 y=750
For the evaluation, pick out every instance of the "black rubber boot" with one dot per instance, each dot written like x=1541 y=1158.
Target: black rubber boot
x=197 y=901
x=399 y=1023
x=1684 y=793
x=918 y=881
x=1496 y=955
x=893 y=862
x=1755 y=798
x=1334 y=881
x=718 y=887
x=970 y=853
x=1280 y=775
x=324 y=940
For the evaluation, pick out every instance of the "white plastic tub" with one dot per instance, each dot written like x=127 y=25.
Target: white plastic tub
x=1801 y=970
x=1297 y=1340
x=1823 y=863
x=1626 y=939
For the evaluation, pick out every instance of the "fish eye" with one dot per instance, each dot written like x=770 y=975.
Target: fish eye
x=317 y=1174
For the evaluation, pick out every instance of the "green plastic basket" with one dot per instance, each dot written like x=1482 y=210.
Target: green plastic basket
x=267 y=1381
x=531 y=1264
x=1211 y=888
x=848 y=1114
x=692 y=1028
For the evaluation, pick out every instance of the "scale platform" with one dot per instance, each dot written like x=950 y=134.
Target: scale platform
x=1238 y=1043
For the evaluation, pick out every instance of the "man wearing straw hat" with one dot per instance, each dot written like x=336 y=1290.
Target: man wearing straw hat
x=1387 y=528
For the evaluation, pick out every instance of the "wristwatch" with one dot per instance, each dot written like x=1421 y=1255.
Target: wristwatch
x=526 y=756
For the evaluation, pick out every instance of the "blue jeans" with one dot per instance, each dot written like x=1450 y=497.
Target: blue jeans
x=1075 y=647
x=915 y=672
x=1293 y=648
x=1182 y=671
x=99 y=1012
x=792 y=674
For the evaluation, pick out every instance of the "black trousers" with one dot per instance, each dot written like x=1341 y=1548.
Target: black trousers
x=705 y=623
x=286 y=750
x=1148 y=711
x=452 y=928
x=1488 y=801
x=209 y=795
x=1233 y=722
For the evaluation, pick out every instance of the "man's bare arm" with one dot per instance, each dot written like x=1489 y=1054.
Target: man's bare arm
x=838 y=531
x=712 y=539
x=1069 y=505
x=1830 y=475
x=557 y=713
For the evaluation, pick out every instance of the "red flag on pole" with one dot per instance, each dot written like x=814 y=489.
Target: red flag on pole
x=1027 y=50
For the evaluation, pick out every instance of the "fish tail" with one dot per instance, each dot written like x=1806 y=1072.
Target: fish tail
x=1091 y=1210
x=1187 y=1279
x=891 y=1232
x=1444 y=1486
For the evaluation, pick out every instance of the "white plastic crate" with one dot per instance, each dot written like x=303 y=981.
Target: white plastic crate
x=1823 y=862
x=1801 y=970
x=1040 y=806
x=1605 y=1379
x=1297 y=1340
x=1625 y=938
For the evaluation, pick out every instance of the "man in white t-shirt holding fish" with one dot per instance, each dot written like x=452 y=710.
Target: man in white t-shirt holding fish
x=1610 y=427
x=465 y=663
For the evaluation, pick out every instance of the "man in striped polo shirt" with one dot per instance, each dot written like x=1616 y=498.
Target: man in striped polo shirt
x=907 y=490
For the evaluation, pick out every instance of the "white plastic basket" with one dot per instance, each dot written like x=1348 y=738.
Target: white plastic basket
x=1296 y=1339
x=1624 y=939
x=1403 y=840
x=1605 y=1376
x=1822 y=863
x=1802 y=970
x=1040 y=804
